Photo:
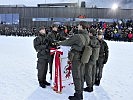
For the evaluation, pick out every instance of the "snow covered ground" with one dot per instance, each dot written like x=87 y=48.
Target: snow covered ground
x=18 y=74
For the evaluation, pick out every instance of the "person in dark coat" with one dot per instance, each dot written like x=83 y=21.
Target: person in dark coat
x=78 y=68
x=90 y=67
x=41 y=45
x=103 y=58
x=53 y=37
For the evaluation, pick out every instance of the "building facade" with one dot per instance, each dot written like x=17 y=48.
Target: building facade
x=37 y=16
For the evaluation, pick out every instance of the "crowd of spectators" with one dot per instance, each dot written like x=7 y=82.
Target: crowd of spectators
x=116 y=31
x=119 y=31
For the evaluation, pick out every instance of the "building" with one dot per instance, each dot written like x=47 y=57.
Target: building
x=66 y=14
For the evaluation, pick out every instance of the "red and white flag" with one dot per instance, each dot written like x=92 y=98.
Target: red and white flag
x=61 y=69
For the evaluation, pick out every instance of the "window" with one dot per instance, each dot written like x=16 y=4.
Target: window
x=15 y=19
x=9 y=19
x=2 y=19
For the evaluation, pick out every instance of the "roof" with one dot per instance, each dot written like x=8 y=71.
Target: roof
x=12 y=6
x=58 y=5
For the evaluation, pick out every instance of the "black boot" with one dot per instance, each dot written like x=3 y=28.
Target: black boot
x=97 y=82
x=46 y=83
x=42 y=85
x=81 y=96
x=76 y=97
x=50 y=75
x=88 y=89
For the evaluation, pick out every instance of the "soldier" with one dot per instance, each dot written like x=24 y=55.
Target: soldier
x=90 y=67
x=77 y=44
x=103 y=57
x=53 y=36
x=41 y=45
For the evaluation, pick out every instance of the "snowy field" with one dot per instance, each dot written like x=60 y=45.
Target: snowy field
x=18 y=74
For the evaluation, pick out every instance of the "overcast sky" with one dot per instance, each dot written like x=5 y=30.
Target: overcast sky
x=89 y=3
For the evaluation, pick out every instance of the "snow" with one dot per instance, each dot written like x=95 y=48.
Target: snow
x=18 y=74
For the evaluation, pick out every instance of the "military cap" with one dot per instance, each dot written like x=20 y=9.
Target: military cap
x=93 y=31
x=84 y=24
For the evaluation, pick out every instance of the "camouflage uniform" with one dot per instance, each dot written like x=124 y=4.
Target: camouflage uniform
x=78 y=68
x=41 y=45
x=103 y=57
x=90 y=67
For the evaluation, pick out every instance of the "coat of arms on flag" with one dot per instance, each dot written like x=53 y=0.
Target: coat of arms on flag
x=61 y=69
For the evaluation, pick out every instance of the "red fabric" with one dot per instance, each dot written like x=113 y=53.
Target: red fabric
x=57 y=87
x=68 y=69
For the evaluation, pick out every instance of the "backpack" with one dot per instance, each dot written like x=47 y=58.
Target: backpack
x=87 y=50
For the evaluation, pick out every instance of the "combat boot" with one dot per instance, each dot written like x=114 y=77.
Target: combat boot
x=46 y=83
x=42 y=85
x=76 y=97
x=97 y=82
x=88 y=89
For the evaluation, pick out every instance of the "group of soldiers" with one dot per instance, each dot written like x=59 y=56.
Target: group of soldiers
x=89 y=72
x=8 y=31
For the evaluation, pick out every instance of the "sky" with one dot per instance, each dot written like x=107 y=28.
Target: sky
x=18 y=74
x=89 y=3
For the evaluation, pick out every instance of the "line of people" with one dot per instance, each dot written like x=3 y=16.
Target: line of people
x=42 y=44
x=115 y=31
x=90 y=72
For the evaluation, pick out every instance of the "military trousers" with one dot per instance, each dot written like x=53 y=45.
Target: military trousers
x=42 y=67
x=50 y=65
x=78 y=70
x=90 y=72
x=99 y=68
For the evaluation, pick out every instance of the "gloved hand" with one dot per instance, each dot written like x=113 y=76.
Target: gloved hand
x=58 y=47
x=55 y=43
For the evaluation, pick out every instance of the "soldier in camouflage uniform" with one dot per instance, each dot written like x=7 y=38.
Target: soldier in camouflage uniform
x=102 y=59
x=76 y=43
x=53 y=36
x=41 y=45
x=90 y=67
